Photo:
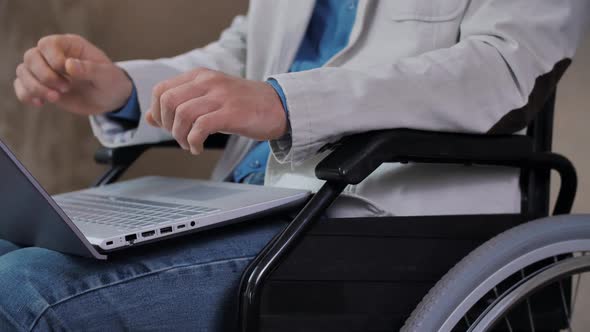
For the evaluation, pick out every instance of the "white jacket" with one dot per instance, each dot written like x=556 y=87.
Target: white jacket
x=446 y=65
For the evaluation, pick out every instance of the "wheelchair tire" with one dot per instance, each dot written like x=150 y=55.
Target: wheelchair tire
x=447 y=303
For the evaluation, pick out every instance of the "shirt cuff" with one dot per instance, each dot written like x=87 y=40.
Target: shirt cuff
x=129 y=114
x=280 y=147
x=275 y=85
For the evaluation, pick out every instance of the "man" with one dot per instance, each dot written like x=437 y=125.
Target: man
x=299 y=74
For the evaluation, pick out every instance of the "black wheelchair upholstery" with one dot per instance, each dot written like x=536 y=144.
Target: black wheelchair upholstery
x=368 y=274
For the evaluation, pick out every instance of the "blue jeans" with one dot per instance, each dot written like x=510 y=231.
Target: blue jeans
x=188 y=284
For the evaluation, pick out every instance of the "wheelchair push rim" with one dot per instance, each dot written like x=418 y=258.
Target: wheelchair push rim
x=557 y=272
x=474 y=282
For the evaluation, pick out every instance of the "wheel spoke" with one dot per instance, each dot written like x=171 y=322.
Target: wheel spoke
x=528 y=306
x=578 y=280
x=467 y=322
x=505 y=318
x=564 y=301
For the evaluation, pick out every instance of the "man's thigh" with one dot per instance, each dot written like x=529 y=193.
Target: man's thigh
x=186 y=284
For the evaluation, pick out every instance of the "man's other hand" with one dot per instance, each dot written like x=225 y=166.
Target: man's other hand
x=70 y=72
x=202 y=102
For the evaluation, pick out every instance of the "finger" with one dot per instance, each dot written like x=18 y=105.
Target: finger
x=83 y=70
x=174 y=97
x=204 y=126
x=43 y=72
x=150 y=119
x=20 y=92
x=164 y=86
x=52 y=50
x=22 y=96
x=187 y=114
x=56 y=49
x=33 y=88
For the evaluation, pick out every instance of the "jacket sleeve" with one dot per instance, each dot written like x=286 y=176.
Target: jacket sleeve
x=506 y=47
x=228 y=54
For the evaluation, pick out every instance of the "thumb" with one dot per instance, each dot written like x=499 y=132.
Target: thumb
x=83 y=70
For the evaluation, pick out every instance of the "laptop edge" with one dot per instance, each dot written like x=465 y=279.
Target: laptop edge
x=56 y=232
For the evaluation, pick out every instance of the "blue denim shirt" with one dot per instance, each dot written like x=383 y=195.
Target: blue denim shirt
x=327 y=33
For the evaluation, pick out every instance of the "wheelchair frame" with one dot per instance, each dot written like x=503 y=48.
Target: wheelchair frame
x=283 y=276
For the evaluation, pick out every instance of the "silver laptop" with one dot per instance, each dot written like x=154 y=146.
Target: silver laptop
x=97 y=221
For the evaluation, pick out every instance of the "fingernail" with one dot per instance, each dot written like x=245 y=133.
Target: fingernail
x=77 y=65
x=64 y=89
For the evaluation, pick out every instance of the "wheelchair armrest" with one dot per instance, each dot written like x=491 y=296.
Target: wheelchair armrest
x=356 y=156
x=126 y=155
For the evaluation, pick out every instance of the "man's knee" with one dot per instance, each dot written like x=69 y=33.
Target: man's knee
x=25 y=283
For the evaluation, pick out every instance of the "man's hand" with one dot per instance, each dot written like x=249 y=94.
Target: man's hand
x=202 y=102
x=70 y=72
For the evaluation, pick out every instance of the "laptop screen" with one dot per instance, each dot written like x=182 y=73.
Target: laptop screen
x=29 y=217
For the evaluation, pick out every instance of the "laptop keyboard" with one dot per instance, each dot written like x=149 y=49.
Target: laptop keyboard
x=125 y=213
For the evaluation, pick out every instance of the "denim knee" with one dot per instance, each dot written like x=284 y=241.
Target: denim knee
x=196 y=296
x=188 y=284
x=21 y=300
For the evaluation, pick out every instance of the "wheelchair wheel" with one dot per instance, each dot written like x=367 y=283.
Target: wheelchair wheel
x=525 y=279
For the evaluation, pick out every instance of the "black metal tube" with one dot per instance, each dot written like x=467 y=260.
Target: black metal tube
x=111 y=175
x=271 y=256
x=567 y=173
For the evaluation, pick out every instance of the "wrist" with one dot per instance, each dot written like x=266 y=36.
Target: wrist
x=278 y=117
x=286 y=127
x=122 y=91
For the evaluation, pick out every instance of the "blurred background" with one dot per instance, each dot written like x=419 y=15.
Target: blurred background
x=58 y=148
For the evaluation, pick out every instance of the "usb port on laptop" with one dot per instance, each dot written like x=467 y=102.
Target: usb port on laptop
x=131 y=238
x=148 y=233
x=166 y=230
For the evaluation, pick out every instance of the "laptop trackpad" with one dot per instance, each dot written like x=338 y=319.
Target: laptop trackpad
x=201 y=193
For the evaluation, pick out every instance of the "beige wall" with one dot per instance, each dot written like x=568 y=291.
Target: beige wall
x=572 y=121
x=58 y=147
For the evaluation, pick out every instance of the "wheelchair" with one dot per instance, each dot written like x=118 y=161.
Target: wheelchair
x=489 y=272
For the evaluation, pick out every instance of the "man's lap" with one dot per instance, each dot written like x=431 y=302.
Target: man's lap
x=190 y=283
